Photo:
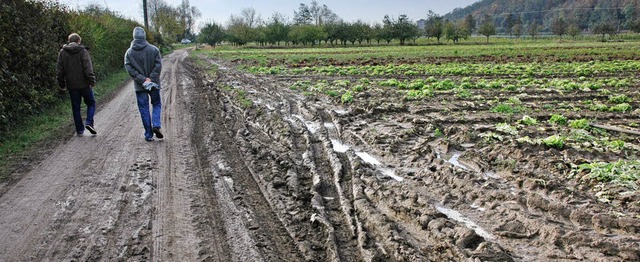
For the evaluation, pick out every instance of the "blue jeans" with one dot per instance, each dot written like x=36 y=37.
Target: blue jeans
x=152 y=120
x=77 y=95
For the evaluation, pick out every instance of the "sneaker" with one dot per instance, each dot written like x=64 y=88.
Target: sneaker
x=156 y=130
x=149 y=139
x=91 y=129
x=79 y=133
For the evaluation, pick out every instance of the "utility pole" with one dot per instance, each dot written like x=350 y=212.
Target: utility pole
x=146 y=20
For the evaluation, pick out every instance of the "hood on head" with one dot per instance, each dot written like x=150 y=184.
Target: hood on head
x=73 y=48
x=139 y=44
x=139 y=33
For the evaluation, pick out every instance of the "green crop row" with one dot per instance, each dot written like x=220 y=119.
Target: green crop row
x=541 y=51
x=522 y=70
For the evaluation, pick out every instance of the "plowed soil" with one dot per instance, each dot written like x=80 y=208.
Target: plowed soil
x=253 y=171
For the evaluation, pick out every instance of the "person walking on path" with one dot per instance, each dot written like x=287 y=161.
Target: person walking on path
x=143 y=62
x=75 y=74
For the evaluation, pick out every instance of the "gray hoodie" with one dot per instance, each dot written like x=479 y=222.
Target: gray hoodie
x=142 y=61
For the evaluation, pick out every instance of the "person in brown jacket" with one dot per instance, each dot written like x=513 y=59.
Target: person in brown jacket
x=75 y=74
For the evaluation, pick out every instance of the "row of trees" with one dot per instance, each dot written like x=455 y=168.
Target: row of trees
x=307 y=29
x=313 y=24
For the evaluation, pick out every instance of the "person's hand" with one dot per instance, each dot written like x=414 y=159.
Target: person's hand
x=147 y=80
x=62 y=89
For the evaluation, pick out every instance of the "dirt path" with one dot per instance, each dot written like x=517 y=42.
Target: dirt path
x=117 y=197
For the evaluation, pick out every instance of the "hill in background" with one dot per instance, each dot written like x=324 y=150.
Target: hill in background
x=585 y=14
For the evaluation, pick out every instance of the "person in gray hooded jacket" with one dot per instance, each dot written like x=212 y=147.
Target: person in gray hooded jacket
x=143 y=62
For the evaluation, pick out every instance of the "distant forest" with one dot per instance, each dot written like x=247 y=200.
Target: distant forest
x=584 y=14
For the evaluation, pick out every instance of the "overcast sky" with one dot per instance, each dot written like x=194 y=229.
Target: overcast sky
x=370 y=11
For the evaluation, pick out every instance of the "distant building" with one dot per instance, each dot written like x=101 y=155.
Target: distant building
x=421 y=24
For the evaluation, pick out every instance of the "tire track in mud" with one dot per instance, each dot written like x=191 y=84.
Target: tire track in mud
x=179 y=202
x=273 y=241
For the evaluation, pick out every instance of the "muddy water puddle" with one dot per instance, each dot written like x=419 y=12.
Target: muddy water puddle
x=453 y=157
x=457 y=216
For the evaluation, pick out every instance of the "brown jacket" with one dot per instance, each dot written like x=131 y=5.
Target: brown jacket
x=75 y=70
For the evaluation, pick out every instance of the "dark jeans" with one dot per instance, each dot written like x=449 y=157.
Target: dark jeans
x=77 y=95
x=152 y=120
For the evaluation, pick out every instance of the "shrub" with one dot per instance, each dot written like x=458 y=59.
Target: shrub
x=32 y=34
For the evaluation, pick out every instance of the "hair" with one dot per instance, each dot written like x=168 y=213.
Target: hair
x=74 y=38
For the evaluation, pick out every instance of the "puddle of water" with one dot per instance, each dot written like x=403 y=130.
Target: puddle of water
x=491 y=174
x=221 y=67
x=340 y=111
x=453 y=159
x=339 y=146
x=229 y=181
x=368 y=158
x=385 y=171
x=330 y=125
x=455 y=215
x=474 y=206
x=392 y=174
x=222 y=166
x=311 y=126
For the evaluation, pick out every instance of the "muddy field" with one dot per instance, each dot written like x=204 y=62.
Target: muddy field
x=255 y=167
x=373 y=180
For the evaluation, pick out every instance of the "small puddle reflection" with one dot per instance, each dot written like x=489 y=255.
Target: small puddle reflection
x=221 y=67
x=491 y=174
x=311 y=126
x=474 y=206
x=455 y=215
x=329 y=125
x=385 y=171
x=368 y=158
x=453 y=159
x=340 y=111
x=339 y=146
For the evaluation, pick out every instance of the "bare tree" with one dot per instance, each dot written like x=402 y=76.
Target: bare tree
x=533 y=29
x=250 y=17
x=188 y=15
x=321 y=14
